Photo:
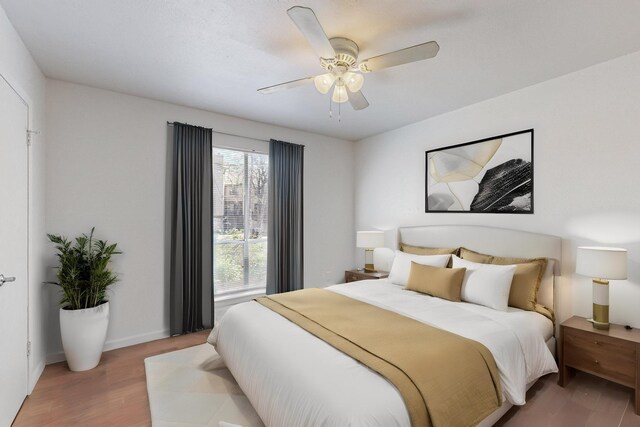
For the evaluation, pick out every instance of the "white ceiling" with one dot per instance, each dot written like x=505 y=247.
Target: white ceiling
x=214 y=54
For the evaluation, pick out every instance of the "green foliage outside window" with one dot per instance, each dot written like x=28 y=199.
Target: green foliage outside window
x=229 y=261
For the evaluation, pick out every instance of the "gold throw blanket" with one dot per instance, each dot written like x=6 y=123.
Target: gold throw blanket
x=445 y=380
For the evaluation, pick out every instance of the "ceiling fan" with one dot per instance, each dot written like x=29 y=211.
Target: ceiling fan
x=339 y=56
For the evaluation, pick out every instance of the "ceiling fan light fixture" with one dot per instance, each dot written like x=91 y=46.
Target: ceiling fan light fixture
x=339 y=58
x=324 y=82
x=354 y=81
x=340 y=94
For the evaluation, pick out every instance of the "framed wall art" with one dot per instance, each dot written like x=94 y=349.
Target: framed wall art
x=491 y=175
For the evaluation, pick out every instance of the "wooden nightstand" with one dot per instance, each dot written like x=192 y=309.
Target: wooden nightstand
x=355 y=275
x=613 y=354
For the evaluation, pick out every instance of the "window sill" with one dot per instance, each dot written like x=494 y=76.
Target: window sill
x=237 y=297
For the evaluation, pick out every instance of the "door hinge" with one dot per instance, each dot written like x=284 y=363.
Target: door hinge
x=30 y=133
x=28 y=348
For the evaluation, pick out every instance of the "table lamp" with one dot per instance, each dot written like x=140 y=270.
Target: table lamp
x=369 y=240
x=601 y=264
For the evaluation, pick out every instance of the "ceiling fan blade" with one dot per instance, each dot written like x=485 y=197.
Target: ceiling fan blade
x=357 y=100
x=287 y=85
x=308 y=24
x=399 y=57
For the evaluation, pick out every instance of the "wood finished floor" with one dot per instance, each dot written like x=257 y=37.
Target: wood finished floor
x=115 y=394
x=112 y=394
x=587 y=401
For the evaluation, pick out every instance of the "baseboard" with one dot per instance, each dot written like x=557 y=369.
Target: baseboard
x=119 y=343
x=136 y=339
x=34 y=376
x=55 y=358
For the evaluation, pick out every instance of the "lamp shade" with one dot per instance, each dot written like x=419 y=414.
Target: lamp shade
x=602 y=263
x=324 y=82
x=353 y=81
x=370 y=239
x=340 y=94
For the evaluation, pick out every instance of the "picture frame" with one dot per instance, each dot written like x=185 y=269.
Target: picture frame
x=489 y=175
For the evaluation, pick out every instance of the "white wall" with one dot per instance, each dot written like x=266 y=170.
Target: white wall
x=19 y=68
x=587 y=171
x=107 y=166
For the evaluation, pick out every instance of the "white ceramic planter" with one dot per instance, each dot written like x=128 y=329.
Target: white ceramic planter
x=83 y=335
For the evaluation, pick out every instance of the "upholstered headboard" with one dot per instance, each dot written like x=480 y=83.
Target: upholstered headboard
x=490 y=240
x=494 y=241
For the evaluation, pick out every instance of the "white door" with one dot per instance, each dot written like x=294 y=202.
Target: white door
x=13 y=253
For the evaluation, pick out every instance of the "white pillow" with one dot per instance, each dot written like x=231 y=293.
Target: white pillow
x=486 y=284
x=401 y=266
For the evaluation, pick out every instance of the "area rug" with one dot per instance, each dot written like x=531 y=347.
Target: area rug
x=193 y=387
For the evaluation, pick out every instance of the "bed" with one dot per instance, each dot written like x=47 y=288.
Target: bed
x=293 y=378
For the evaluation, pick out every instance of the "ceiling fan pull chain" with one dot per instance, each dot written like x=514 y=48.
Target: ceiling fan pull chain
x=330 y=114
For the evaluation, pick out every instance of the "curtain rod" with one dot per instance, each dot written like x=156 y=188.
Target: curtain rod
x=225 y=133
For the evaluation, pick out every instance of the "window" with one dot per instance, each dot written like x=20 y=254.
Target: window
x=240 y=195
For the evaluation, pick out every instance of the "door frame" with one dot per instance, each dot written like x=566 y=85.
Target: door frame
x=26 y=100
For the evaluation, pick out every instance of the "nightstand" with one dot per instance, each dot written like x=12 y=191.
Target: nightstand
x=355 y=275
x=613 y=354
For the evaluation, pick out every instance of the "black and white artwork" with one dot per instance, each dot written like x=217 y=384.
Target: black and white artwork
x=492 y=175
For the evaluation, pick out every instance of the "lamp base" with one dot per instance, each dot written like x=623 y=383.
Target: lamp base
x=599 y=325
x=368 y=261
x=600 y=318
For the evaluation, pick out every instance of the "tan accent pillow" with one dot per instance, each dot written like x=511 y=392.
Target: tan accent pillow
x=439 y=282
x=474 y=256
x=526 y=279
x=545 y=311
x=421 y=250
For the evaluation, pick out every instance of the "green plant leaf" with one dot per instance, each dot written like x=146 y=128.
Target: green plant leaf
x=83 y=274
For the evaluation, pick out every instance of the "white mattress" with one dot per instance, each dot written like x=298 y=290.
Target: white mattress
x=293 y=378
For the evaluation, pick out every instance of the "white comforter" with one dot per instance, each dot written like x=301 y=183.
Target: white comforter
x=294 y=379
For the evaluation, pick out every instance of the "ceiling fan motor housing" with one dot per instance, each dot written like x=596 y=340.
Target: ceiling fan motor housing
x=346 y=54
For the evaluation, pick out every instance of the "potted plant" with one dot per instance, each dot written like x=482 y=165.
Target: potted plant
x=84 y=277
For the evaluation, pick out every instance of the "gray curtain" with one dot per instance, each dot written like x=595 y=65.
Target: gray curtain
x=285 y=254
x=191 y=271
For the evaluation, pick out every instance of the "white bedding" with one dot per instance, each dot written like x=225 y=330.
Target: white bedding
x=292 y=378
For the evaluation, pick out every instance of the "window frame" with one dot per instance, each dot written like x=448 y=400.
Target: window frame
x=246 y=289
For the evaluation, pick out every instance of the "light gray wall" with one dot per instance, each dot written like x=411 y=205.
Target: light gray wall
x=586 y=171
x=19 y=68
x=107 y=165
